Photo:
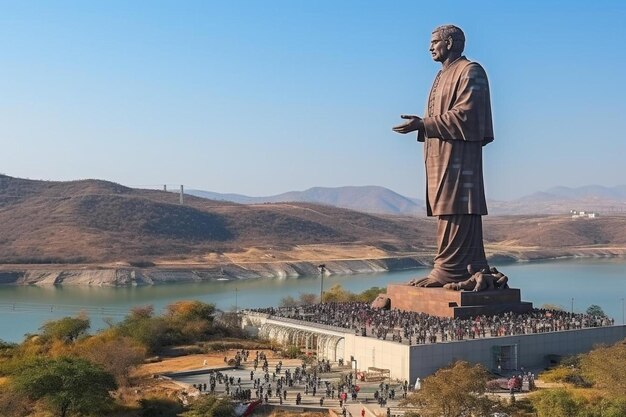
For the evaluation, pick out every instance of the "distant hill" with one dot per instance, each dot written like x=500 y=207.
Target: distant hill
x=380 y=200
x=559 y=200
x=369 y=199
x=93 y=220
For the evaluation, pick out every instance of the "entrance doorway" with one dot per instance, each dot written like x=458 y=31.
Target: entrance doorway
x=505 y=358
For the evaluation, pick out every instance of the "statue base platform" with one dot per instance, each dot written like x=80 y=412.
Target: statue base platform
x=456 y=304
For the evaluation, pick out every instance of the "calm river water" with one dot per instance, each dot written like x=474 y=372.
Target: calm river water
x=24 y=309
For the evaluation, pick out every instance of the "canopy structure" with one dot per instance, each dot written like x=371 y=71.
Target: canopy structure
x=327 y=346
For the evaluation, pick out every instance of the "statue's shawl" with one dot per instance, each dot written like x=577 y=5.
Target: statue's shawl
x=458 y=124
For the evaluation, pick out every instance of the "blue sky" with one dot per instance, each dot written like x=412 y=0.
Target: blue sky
x=262 y=97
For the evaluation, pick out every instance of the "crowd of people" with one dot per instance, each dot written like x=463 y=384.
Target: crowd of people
x=419 y=328
x=267 y=383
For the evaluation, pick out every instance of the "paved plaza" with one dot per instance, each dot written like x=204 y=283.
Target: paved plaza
x=244 y=379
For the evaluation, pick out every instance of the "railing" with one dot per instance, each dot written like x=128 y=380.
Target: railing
x=311 y=324
x=66 y=308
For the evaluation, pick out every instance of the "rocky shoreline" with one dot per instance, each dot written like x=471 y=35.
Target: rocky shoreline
x=51 y=275
x=129 y=276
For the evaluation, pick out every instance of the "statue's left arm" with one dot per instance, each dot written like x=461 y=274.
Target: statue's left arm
x=469 y=117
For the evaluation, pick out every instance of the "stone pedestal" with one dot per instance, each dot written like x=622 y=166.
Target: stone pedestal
x=456 y=304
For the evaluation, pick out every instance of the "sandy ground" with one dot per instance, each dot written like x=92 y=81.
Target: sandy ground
x=183 y=363
x=300 y=253
x=149 y=386
x=306 y=253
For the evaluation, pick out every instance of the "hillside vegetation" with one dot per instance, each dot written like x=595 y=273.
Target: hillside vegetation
x=92 y=221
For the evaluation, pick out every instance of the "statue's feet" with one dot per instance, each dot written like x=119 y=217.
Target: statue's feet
x=415 y=282
x=452 y=286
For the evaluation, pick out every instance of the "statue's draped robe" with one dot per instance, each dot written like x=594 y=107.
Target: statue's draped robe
x=458 y=124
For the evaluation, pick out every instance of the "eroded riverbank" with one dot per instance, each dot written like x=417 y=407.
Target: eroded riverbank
x=248 y=268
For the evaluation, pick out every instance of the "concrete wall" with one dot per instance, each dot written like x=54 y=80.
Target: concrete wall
x=409 y=362
x=532 y=349
x=372 y=352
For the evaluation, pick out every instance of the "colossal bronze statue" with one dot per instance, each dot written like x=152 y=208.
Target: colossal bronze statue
x=456 y=126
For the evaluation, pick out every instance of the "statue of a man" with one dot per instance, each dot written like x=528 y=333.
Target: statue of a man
x=456 y=126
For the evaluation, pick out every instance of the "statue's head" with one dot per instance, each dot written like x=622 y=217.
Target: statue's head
x=446 y=40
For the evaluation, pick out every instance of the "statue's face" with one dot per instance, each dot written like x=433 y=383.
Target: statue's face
x=439 y=47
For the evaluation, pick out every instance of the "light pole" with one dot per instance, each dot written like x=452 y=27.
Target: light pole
x=572 y=305
x=322 y=269
x=623 y=311
x=236 y=308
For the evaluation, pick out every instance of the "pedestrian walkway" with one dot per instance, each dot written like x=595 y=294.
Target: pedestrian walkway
x=242 y=378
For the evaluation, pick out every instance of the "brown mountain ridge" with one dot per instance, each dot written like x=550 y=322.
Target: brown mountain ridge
x=97 y=221
x=94 y=221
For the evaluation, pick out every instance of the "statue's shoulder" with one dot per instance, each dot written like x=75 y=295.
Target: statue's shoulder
x=473 y=69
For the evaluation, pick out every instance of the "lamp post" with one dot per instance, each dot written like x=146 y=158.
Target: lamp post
x=572 y=305
x=623 y=311
x=236 y=307
x=322 y=269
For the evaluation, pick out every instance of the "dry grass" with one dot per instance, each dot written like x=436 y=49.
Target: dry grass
x=98 y=222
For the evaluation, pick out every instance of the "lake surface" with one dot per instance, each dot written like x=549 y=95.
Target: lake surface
x=24 y=309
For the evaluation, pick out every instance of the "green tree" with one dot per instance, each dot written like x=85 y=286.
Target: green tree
x=188 y=310
x=595 y=310
x=140 y=325
x=288 y=301
x=189 y=320
x=453 y=391
x=118 y=355
x=337 y=294
x=67 y=329
x=67 y=385
x=370 y=294
x=555 y=403
x=291 y=351
x=210 y=406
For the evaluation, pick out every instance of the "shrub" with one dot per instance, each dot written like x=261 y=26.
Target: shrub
x=555 y=403
x=66 y=385
x=118 y=355
x=291 y=352
x=595 y=310
x=67 y=329
x=209 y=406
x=559 y=374
x=606 y=367
x=159 y=407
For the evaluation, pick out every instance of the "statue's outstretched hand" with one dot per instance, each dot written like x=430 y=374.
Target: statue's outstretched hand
x=412 y=124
